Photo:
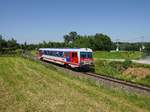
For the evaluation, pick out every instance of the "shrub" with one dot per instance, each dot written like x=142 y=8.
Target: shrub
x=127 y=63
x=117 y=65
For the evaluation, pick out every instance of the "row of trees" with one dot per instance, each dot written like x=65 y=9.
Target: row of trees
x=98 y=41
x=8 y=45
x=102 y=42
x=126 y=46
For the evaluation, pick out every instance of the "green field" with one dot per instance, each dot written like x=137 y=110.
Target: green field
x=116 y=69
x=118 y=55
x=28 y=86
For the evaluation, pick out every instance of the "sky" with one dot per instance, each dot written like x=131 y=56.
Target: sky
x=36 y=20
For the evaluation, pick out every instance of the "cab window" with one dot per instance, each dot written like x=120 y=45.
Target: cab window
x=85 y=54
x=82 y=54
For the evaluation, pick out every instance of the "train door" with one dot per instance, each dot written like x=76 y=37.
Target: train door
x=74 y=57
x=67 y=56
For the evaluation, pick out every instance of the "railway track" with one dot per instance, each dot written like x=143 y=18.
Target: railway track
x=122 y=83
x=105 y=80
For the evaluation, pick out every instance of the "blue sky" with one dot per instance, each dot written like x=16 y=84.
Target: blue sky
x=37 y=20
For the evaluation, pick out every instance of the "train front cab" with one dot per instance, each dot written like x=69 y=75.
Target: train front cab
x=86 y=61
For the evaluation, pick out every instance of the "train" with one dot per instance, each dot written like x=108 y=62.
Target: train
x=78 y=58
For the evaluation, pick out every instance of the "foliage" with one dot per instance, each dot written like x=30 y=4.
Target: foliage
x=118 y=66
x=134 y=46
x=147 y=49
x=126 y=46
x=108 y=68
x=102 y=42
x=96 y=42
x=74 y=40
x=8 y=46
x=127 y=63
x=70 y=38
x=115 y=69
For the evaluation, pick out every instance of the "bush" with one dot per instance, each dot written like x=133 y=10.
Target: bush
x=117 y=65
x=127 y=63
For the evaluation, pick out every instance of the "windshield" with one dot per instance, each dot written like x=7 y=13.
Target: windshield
x=85 y=54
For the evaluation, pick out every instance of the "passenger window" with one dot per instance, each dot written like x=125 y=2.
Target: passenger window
x=67 y=54
x=45 y=52
x=57 y=54
x=54 y=53
x=50 y=53
x=61 y=54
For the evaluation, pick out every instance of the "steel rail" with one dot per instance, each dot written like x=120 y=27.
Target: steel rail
x=122 y=82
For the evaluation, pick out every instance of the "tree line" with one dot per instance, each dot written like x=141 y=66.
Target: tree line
x=7 y=46
x=96 y=42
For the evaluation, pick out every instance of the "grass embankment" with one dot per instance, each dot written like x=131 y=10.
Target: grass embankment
x=26 y=85
x=118 y=55
x=137 y=73
x=34 y=52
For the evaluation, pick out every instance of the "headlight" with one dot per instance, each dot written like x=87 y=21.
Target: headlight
x=92 y=63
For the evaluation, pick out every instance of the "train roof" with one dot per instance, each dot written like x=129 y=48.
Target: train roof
x=68 y=49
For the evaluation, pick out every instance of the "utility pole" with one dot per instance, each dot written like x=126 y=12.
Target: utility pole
x=117 y=43
x=142 y=43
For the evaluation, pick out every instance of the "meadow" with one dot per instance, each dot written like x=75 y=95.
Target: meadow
x=137 y=73
x=118 y=55
x=28 y=86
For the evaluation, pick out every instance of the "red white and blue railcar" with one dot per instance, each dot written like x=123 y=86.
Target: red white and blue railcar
x=73 y=57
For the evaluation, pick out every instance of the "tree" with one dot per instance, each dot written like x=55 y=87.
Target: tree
x=147 y=48
x=83 y=42
x=66 y=39
x=3 y=43
x=12 y=44
x=102 y=42
x=70 y=38
x=25 y=45
x=73 y=36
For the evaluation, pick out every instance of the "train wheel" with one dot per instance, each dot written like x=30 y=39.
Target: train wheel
x=67 y=66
